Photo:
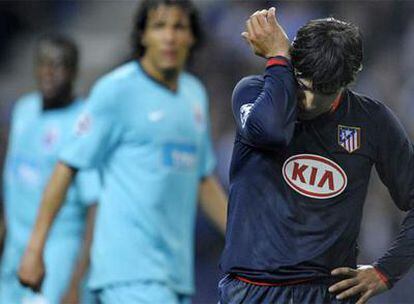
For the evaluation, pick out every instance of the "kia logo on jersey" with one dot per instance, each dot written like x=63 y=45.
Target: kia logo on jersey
x=314 y=176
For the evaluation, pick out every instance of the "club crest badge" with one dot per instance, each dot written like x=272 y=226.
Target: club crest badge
x=349 y=138
x=83 y=124
x=50 y=138
x=199 y=117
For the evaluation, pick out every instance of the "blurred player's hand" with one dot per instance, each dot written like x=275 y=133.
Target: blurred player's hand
x=265 y=35
x=32 y=270
x=364 y=281
x=71 y=296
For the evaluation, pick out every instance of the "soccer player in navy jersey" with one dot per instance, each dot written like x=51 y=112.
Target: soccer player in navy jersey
x=302 y=158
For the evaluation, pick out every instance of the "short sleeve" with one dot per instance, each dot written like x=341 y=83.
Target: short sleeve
x=88 y=186
x=95 y=132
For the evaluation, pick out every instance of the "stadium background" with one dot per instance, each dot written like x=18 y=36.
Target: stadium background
x=102 y=30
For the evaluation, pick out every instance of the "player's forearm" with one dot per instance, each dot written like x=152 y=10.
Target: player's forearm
x=273 y=115
x=213 y=201
x=2 y=234
x=83 y=260
x=400 y=257
x=53 y=198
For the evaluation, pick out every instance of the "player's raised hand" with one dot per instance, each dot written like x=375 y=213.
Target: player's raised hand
x=364 y=281
x=265 y=35
x=32 y=270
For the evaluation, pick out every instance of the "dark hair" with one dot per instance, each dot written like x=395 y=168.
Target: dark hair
x=66 y=44
x=329 y=53
x=140 y=22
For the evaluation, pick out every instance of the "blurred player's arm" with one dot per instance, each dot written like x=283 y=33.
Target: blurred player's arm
x=72 y=294
x=395 y=166
x=265 y=111
x=213 y=202
x=32 y=268
x=2 y=232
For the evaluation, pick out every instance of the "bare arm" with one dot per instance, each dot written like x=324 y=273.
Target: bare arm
x=2 y=234
x=72 y=293
x=213 y=201
x=31 y=270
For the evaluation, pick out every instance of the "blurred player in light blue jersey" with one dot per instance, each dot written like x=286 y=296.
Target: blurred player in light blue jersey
x=41 y=123
x=146 y=127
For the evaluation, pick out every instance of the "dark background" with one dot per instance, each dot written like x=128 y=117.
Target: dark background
x=102 y=29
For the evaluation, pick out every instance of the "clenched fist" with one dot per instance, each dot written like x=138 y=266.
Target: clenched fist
x=32 y=270
x=265 y=35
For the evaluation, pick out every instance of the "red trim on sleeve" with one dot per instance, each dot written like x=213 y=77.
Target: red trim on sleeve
x=382 y=276
x=272 y=284
x=276 y=61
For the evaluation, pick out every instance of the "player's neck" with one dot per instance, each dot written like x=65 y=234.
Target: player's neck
x=168 y=78
x=319 y=105
x=59 y=101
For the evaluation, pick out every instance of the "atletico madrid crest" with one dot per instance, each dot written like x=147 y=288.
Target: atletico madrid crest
x=349 y=138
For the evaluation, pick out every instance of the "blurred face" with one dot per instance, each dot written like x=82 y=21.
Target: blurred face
x=54 y=77
x=310 y=103
x=168 y=38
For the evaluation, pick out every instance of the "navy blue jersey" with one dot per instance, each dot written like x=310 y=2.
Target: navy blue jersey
x=297 y=187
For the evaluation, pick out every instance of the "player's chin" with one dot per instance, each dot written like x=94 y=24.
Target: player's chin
x=170 y=67
x=171 y=63
x=49 y=94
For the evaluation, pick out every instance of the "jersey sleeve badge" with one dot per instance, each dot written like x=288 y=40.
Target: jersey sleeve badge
x=245 y=112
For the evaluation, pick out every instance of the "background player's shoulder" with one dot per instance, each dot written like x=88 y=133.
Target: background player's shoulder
x=110 y=86
x=193 y=82
x=118 y=76
x=77 y=105
x=28 y=103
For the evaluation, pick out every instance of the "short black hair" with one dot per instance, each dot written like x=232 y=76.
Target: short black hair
x=140 y=22
x=63 y=42
x=329 y=53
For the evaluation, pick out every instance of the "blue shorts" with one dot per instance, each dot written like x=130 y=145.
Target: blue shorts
x=139 y=292
x=234 y=291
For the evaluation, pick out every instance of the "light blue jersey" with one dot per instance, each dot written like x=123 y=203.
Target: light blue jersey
x=36 y=138
x=152 y=147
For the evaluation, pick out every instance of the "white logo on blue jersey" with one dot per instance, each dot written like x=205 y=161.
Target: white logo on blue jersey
x=245 y=112
x=199 y=117
x=180 y=156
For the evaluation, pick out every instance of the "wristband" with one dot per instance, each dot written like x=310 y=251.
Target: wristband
x=382 y=277
x=278 y=60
